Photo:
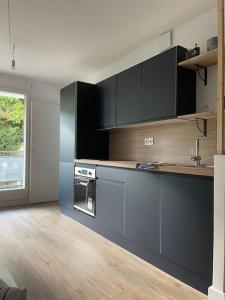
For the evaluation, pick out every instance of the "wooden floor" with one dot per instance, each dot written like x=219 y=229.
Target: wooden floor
x=57 y=258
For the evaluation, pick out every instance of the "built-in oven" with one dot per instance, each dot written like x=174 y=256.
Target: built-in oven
x=85 y=190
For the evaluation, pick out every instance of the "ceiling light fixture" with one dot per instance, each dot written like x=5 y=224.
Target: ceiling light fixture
x=11 y=44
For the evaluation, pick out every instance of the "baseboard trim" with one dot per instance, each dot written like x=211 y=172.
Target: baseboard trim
x=41 y=202
x=214 y=294
x=10 y=203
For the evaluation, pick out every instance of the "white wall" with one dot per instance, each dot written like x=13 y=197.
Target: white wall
x=197 y=30
x=36 y=90
x=40 y=92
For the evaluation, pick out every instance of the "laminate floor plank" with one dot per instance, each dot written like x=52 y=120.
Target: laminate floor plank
x=56 y=258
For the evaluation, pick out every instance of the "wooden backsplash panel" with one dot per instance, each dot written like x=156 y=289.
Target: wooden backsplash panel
x=173 y=143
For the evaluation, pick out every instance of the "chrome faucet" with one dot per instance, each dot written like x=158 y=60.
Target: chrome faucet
x=197 y=158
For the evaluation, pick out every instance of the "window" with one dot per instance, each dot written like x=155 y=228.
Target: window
x=12 y=141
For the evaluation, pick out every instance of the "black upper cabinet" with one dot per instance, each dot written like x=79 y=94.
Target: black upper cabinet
x=167 y=90
x=159 y=86
x=128 y=107
x=154 y=89
x=67 y=123
x=78 y=136
x=106 y=99
x=88 y=141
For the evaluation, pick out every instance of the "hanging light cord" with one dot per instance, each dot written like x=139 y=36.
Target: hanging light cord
x=11 y=44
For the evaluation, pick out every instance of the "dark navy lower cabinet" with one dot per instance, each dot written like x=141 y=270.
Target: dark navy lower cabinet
x=166 y=219
x=142 y=209
x=66 y=185
x=187 y=222
x=110 y=204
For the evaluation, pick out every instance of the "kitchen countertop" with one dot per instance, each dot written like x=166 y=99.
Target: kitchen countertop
x=179 y=169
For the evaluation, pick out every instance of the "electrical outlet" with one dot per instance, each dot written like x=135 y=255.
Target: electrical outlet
x=149 y=141
x=146 y=142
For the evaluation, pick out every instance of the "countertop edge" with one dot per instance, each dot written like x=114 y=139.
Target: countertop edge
x=199 y=171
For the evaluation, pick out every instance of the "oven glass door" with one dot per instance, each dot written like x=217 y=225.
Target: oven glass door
x=85 y=195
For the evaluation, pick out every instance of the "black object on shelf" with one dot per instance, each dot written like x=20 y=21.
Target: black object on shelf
x=193 y=52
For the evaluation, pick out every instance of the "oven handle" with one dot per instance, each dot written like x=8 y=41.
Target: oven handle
x=84 y=183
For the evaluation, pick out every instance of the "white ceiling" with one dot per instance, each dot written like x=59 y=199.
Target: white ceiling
x=65 y=40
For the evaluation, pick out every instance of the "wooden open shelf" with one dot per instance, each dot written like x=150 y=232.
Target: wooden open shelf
x=179 y=119
x=205 y=60
x=202 y=115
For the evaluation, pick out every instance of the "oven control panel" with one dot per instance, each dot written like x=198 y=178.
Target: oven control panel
x=85 y=172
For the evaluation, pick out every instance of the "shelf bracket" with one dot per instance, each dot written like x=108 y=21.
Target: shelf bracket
x=205 y=78
x=205 y=129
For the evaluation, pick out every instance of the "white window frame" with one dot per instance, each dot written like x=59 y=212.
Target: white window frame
x=20 y=195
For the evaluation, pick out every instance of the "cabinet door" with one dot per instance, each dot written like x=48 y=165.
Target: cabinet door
x=110 y=204
x=159 y=86
x=129 y=96
x=187 y=222
x=67 y=123
x=66 y=185
x=142 y=209
x=106 y=91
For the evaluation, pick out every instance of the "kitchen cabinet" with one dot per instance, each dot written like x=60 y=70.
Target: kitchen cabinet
x=110 y=198
x=110 y=205
x=167 y=90
x=66 y=185
x=159 y=86
x=128 y=107
x=142 y=209
x=187 y=221
x=67 y=123
x=155 y=89
x=89 y=143
x=111 y=173
x=166 y=219
x=78 y=136
x=106 y=103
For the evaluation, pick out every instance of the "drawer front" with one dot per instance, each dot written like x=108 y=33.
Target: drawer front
x=110 y=173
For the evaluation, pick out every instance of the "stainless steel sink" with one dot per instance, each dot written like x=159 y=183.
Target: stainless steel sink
x=153 y=165
x=192 y=165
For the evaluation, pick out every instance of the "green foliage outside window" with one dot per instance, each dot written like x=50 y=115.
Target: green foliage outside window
x=11 y=123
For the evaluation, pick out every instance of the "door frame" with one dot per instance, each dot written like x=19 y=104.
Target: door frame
x=20 y=196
